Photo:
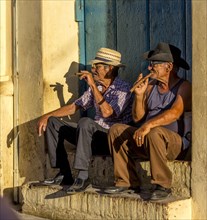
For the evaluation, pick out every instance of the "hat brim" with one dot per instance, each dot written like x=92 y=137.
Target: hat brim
x=95 y=61
x=165 y=57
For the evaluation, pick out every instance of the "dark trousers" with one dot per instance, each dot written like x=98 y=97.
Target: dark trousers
x=89 y=138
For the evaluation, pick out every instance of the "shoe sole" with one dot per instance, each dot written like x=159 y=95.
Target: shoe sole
x=78 y=191
x=51 y=183
x=161 y=198
x=119 y=192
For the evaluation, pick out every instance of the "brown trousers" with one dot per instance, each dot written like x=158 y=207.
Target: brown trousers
x=160 y=145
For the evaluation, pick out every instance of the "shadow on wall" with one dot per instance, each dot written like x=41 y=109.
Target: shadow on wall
x=30 y=152
x=76 y=86
x=30 y=158
x=70 y=80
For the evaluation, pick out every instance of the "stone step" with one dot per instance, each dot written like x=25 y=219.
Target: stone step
x=101 y=173
x=54 y=203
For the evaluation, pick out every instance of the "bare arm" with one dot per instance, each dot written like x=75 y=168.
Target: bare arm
x=104 y=106
x=181 y=104
x=61 y=112
x=140 y=100
x=139 y=107
x=169 y=115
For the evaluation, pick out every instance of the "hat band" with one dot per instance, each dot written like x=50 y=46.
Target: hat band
x=102 y=59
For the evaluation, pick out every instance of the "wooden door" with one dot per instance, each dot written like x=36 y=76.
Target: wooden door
x=133 y=27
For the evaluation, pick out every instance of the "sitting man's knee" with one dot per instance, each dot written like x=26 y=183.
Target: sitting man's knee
x=116 y=129
x=85 y=122
x=52 y=120
x=154 y=133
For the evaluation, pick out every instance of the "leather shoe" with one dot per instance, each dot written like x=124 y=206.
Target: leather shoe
x=160 y=193
x=67 y=181
x=121 y=189
x=79 y=185
x=55 y=180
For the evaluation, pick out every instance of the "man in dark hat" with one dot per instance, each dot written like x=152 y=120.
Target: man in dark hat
x=112 y=100
x=158 y=108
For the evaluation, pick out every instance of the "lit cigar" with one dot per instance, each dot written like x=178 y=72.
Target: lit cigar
x=140 y=81
x=78 y=74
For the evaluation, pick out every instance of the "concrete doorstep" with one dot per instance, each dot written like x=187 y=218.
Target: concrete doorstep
x=54 y=203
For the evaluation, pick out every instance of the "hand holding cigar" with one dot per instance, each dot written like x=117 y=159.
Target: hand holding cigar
x=78 y=74
x=140 y=81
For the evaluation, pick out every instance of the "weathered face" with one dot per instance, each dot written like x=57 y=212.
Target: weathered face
x=159 y=69
x=101 y=71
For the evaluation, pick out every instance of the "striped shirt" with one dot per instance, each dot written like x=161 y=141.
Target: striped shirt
x=118 y=95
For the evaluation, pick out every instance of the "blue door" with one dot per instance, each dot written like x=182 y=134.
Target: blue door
x=133 y=27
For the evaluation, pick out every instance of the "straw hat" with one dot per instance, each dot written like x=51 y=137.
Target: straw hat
x=108 y=56
x=167 y=53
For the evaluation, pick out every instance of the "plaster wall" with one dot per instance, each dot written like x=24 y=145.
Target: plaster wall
x=199 y=79
x=6 y=43
x=47 y=45
x=6 y=148
x=29 y=67
x=45 y=52
x=60 y=51
x=6 y=100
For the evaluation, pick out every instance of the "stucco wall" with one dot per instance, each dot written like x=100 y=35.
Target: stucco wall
x=6 y=100
x=45 y=52
x=6 y=148
x=47 y=45
x=199 y=79
x=59 y=50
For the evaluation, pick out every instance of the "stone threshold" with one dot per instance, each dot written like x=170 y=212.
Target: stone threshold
x=54 y=203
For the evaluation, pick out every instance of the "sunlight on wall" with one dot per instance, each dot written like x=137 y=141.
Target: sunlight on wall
x=60 y=49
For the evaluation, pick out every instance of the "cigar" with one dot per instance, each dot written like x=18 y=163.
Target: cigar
x=140 y=81
x=78 y=74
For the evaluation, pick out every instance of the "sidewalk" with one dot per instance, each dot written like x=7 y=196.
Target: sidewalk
x=22 y=216
x=10 y=211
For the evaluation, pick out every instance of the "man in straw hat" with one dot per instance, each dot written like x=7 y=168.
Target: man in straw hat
x=158 y=107
x=112 y=100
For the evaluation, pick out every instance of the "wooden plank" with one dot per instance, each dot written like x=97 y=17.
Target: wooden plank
x=135 y=26
x=100 y=26
x=168 y=24
x=188 y=48
x=132 y=35
x=100 y=29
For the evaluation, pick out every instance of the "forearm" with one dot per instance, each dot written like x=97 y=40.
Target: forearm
x=63 y=111
x=104 y=106
x=139 y=107
x=165 y=118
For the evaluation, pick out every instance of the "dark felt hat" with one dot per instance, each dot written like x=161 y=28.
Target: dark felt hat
x=167 y=53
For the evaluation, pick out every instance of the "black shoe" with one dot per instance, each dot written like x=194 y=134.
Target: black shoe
x=121 y=189
x=54 y=181
x=160 y=193
x=79 y=185
x=67 y=181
